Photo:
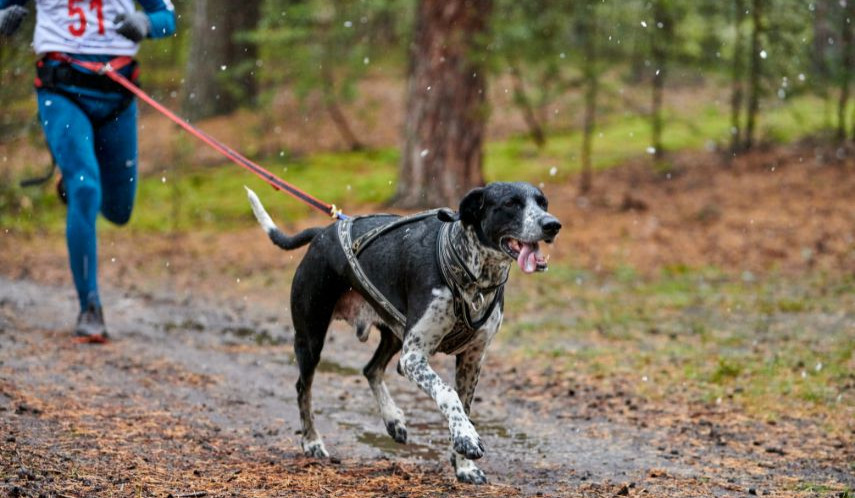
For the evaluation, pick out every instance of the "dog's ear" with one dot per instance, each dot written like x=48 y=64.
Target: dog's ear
x=446 y=215
x=472 y=206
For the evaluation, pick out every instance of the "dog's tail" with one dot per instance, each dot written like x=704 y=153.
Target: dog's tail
x=276 y=235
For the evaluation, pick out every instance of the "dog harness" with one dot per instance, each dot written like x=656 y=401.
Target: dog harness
x=454 y=271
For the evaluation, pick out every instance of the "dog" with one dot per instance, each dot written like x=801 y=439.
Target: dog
x=417 y=280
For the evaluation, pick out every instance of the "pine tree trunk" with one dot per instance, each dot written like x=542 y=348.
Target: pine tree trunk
x=754 y=89
x=737 y=71
x=660 y=38
x=822 y=32
x=446 y=109
x=845 y=67
x=589 y=34
x=220 y=73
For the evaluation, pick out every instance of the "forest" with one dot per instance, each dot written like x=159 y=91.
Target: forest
x=695 y=332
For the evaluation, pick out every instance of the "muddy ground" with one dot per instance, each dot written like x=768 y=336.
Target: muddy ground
x=194 y=396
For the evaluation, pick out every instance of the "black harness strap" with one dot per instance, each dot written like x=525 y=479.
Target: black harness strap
x=458 y=277
x=454 y=271
x=368 y=237
x=352 y=249
x=51 y=76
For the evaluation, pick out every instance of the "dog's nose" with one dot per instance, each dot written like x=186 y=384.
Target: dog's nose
x=550 y=225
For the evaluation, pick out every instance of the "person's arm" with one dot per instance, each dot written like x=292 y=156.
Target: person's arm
x=161 y=16
x=156 y=21
x=8 y=3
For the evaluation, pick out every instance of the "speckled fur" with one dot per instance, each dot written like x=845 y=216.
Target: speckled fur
x=402 y=265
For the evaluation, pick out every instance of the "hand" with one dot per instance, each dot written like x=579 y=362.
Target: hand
x=10 y=19
x=134 y=26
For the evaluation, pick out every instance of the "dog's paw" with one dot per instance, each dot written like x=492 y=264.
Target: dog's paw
x=397 y=430
x=471 y=476
x=468 y=446
x=315 y=449
x=466 y=471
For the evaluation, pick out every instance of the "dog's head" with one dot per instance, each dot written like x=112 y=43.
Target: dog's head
x=511 y=218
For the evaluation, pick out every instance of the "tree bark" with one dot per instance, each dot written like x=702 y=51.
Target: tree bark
x=446 y=109
x=591 y=76
x=661 y=37
x=220 y=70
x=822 y=31
x=754 y=89
x=737 y=72
x=845 y=68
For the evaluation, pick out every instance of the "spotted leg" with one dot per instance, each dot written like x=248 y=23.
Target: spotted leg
x=374 y=371
x=467 y=371
x=420 y=339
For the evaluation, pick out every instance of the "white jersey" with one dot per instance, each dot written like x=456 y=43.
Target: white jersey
x=81 y=27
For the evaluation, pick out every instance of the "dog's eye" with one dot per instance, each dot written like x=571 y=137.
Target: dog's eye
x=542 y=202
x=511 y=203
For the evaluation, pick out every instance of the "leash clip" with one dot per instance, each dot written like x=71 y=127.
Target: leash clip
x=335 y=213
x=106 y=68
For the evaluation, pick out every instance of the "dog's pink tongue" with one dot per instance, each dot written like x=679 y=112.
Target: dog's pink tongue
x=527 y=260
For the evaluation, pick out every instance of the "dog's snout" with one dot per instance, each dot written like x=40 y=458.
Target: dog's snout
x=550 y=225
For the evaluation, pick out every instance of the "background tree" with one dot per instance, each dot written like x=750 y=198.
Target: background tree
x=446 y=109
x=736 y=76
x=662 y=36
x=588 y=21
x=221 y=67
x=529 y=44
x=847 y=9
x=330 y=47
x=758 y=53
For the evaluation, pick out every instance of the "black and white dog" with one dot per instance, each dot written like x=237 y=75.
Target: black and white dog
x=417 y=281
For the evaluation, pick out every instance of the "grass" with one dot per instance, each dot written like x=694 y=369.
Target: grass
x=212 y=197
x=698 y=328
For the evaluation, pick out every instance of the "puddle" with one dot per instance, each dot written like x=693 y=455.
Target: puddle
x=328 y=366
x=495 y=429
x=260 y=337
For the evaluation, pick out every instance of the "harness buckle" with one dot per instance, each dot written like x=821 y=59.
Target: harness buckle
x=478 y=302
x=105 y=68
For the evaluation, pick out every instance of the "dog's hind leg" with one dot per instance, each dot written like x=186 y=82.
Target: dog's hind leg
x=374 y=371
x=311 y=314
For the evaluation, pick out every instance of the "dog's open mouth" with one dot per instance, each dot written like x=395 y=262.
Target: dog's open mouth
x=527 y=254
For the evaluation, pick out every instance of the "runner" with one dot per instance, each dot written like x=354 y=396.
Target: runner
x=89 y=121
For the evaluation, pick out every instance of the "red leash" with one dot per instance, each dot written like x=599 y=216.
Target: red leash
x=110 y=69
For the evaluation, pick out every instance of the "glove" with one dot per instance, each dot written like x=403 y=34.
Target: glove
x=10 y=19
x=134 y=26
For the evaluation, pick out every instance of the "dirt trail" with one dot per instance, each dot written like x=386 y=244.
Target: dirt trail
x=195 y=394
x=232 y=373
x=192 y=395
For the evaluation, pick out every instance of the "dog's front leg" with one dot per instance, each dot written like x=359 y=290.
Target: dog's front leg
x=467 y=371
x=419 y=341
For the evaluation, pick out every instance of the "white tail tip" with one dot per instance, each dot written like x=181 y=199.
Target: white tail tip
x=258 y=210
